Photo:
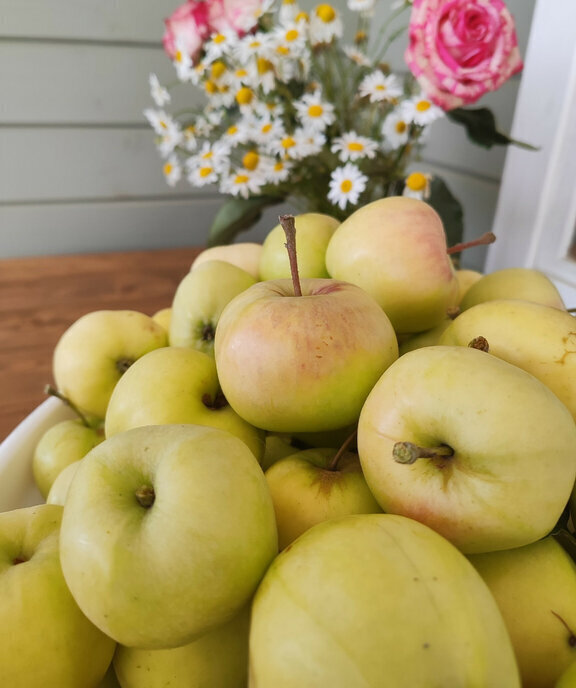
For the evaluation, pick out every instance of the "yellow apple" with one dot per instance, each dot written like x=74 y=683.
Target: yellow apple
x=245 y=255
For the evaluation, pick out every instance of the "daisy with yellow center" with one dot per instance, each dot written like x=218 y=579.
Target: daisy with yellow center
x=202 y=175
x=417 y=185
x=351 y=146
x=314 y=112
x=395 y=130
x=159 y=94
x=325 y=24
x=421 y=110
x=220 y=45
x=346 y=185
x=172 y=170
x=378 y=87
x=242 y=182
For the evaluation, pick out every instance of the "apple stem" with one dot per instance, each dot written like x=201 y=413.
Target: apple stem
x=480 y=343
x=145 y=496
x=408 y=452
x=487 y=238
x=289 y=227
x=340 y=453
x=53 y=392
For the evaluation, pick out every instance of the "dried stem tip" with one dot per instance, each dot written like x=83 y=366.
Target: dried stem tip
x=488 y=238
x=145 y=496
x=289 y=227
x=408 y=452
x=480 y=343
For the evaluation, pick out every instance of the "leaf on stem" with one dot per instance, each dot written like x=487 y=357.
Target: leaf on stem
x=480 y=125
x=238 y=215
x=449 y=208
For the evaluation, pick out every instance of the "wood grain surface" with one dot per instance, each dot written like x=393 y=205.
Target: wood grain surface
x=41 y=297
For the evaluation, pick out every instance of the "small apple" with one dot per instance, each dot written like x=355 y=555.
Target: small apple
x=45 y=640
x=527 y=284
x=95 y=351
x=176 y=385
x=315 y=485
x=395 y=249
x=60 y=486
x=470 y=445
x=535 y=588
x=245 y=255
x=466 y=278
x=314 y=231
x=162 y=317
x=376 y=600
x=217 y=659
x=167 y=531
x=199 y=300
x=301 y=356
x=64 y=443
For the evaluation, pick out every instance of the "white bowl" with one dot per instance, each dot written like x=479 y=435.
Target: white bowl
x=17 y=487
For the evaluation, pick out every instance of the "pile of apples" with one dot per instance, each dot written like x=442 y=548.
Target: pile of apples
x=334 y=461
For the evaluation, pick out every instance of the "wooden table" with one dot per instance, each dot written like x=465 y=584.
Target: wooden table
x=40 y=297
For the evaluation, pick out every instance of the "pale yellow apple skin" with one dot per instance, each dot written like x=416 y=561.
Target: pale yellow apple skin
x=466 y=278
x=568 y=678
x=199 y=301
x=245 y=255
x=162 y=317
x=91 y=355
x=540 y=339
x=305 y=491
x=376 y=600
x=160 y=576
x=276 y=447
x=428 y=338
x=514 y=283
x=514 y=445
x=302 y=363
x=395 y=249
x=60 y=486
x=218 y=659
x=62 y=444
x=535 y=588
x=45 y=640
x=169 y=386
x=313 y=232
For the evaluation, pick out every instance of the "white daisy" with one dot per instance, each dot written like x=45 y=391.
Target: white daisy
x=361 y=5
x=159 y=94
x=237 y=132
x=216 y=154
x=379 y=87
x=202 y=175
x=308 y=142
x=287 y=41
x=417 y=185
x=421 y=110
x=168 y=142
x=279 y=172
x=351 y=146
x=395 y=130
x=160 y=121
x=267 y=129
x=183 y=63
x=284 y=146
x=314 y=112
x=189 y=139
x=246 y=99
x=242 y=182
x=357 y=56
x=346 y=185
x=172 y=170
x=251 y=47
x=220 y=44
x=325 y=24
x=288 y=11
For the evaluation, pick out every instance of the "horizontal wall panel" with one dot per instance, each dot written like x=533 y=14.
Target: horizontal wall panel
x=82 y=83
x=130 y=225
x=106 y=20
x=44 y=164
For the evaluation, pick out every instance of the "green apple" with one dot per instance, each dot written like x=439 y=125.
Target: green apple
x=162 y=317
x=315 y=485
x=95 y=351
x=377 y=600
x=199 y=300
x=395 y=249
x=218 y=659
x=527 y=284
x=276 y=447
x=470 y=445
x=535 y=588
x=176 y=385
x=306 y=363
x=540 y=339
x=167 y=531
x=64 y=443
x=60 y=486
x=466 y=278
x=568 y=678
x=45 y=640
x=314 y=231
x=245 y=255
x=429 y=337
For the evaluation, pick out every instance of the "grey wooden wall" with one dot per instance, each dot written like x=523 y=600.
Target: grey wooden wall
x=78 y=167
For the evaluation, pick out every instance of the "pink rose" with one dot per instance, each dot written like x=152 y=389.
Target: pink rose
x=239 y=16
x=187 y=28
x=460 y=49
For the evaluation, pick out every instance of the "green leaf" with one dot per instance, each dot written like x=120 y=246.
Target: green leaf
x=481 y=128
x=449 y=208
x=238 y=215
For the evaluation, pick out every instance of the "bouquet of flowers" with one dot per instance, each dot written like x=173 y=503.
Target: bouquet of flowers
x=289 y=107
